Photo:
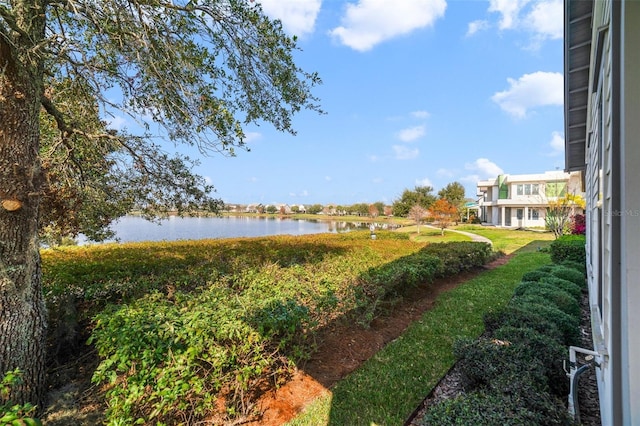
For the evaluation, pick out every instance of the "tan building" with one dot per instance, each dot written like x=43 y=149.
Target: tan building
x=520 y=201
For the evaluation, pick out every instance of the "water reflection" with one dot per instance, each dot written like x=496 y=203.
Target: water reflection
x=133 y=228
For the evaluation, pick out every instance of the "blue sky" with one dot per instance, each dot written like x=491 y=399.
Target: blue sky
x=417 y=92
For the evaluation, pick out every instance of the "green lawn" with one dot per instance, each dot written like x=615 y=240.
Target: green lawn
x=389 y=386
x=509 y=240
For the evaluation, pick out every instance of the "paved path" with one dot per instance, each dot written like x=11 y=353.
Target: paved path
x=474 y=237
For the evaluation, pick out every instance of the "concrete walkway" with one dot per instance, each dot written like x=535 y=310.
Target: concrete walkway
x=474 y=237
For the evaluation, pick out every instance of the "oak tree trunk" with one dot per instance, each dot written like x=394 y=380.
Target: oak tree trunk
x=22 y=308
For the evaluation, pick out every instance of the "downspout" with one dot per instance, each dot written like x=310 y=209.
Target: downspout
x=594 y=359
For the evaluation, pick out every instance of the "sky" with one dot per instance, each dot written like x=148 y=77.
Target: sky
x=416 y=92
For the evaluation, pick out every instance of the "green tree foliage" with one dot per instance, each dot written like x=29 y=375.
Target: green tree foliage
x=380 y=207
x=197 y=70
x=421 y=195
x=314 y=208
x=359 y=209
x=453 y=193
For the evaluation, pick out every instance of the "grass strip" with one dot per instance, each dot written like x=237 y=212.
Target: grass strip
x=390 y=385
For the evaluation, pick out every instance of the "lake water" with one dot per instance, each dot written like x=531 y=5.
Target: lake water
x=132 y=228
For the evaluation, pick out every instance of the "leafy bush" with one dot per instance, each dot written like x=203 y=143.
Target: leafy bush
x=164 y=360
x=555 y=295
x=460 y=256
x=514 y=373
x=568 y=286
x=186 y=328
x=568 y=247
x=535 y=275
x=570 y=274
x=482 y=360
x=481 y=408
x=580 y=267
x=567 y=324
x=534 y=345
x=514 y=315
x=578 y=224
x=15 y=414
x=284 y=323
x=544 y=268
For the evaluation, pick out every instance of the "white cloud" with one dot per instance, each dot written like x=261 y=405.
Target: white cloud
x=298 y=17
x=445 y=173
x=475 y=26
x=411 y=134
x=556 y=144
x=370 y=22
x=546 y=19
x=543 y=19
x=377 y=180
x=252 y=136
x=404 y=153
x=471 y=179
x=424 y=182
x=327 y=178
x=530 y=91
x=304 y=193
x=421 y=114
x=509 y=9
x=485 y=168
x=116 y=123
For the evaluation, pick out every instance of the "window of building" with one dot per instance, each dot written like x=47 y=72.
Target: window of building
x=535 y=189
x=528 y=189
x=519 y=214
x=533 y=214
x=556 y=189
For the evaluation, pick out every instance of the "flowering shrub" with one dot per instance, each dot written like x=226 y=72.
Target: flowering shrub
x=578 y=224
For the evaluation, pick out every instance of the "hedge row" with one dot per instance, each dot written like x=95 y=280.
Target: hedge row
x=187 y=354
x=434 y=261
x=513 y=374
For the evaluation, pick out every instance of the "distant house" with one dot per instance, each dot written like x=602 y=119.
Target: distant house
x=521 y=200
x=602 y=127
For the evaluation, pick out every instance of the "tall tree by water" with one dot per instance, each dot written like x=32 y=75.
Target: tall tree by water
x=453 y=193
x=199 y=70
x=420 y=195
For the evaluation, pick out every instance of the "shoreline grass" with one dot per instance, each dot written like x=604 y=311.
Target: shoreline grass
x=390 y=385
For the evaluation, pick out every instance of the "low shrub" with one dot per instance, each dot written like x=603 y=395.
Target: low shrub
x=381 y=283
x=567 y=324
x=533 y=345
x=433 y=261
x=460 y=256
x=570 y=274
x=555 y=295
x=544 y=268
x=572 y=288
x=503 y=367
x=517 y=316
x=514 y=373
x=535 y=275
x=15 y=414
x=482 y=360
x=568 y=247
x=580 y=267
x=481 y=408
x=284 y=323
